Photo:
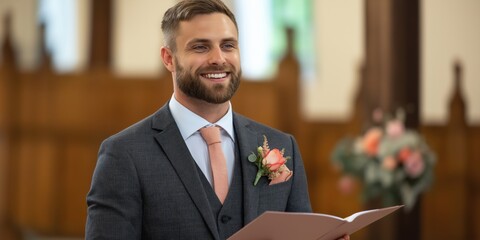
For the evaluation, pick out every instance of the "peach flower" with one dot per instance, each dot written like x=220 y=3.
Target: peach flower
x=270 y=163
x=372 y=140
x=274 y=159
x=389 y=163
x=404 y=154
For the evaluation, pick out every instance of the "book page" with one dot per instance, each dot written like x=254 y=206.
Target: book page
x=358 y=221
x=355 y=215
x=288 y=226
x=307 y=226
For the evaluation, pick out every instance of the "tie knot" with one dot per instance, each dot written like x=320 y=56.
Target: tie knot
x=211 y=134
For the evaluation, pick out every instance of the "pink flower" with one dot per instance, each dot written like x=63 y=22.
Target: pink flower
x=372 y=140
x=395 y=128
x=414 y=165
x=274 y=159
x=270 y=163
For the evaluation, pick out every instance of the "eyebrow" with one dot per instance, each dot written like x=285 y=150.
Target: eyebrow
x=204 y=40
x=230 y=40
x=198 y=40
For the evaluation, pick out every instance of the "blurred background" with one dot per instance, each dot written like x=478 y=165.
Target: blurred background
x=73 y=72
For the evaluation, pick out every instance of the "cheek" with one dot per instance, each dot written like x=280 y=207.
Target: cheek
x=185 y=62
x=192 y=65
x=234 y=59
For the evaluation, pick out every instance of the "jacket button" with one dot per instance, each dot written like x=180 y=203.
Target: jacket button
x=225 y=219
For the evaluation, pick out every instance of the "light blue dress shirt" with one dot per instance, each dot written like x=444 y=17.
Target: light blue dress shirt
x=189 y=125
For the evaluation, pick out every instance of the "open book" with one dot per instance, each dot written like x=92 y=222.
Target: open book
x=308 y=226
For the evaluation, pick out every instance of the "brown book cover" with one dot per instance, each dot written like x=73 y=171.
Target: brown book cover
x=309 y=226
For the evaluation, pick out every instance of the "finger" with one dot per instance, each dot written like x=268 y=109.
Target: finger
x=345 y=237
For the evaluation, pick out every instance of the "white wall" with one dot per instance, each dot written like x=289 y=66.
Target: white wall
x=83 y=25
x=23 y=14
x=25 y=31
x=339 y=33
x=451 y=30
x=137 y=35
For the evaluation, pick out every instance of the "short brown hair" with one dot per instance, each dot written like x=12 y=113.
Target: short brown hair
x=186 y=10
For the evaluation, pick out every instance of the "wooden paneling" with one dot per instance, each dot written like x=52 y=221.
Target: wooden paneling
x=473 y=182
x=51 y=126
x=77 y=169
x=60 y=121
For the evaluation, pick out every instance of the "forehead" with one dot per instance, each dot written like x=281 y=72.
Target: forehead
x=214 y=27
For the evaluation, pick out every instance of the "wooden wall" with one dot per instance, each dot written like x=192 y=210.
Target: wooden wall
x=51 y=126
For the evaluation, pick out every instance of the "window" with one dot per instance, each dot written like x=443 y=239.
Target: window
x=59 y=18
x=263 y=37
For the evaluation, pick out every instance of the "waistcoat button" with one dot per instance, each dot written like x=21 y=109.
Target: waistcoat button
x=225 y=219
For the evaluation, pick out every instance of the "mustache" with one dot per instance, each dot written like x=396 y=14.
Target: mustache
x=212 y=68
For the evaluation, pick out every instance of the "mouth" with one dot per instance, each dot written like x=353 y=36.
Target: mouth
x=216 y=76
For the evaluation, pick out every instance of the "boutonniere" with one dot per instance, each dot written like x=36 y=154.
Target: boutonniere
x=271 y=163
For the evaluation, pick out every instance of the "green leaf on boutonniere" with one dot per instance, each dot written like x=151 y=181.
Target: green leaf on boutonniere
x=270 y=162
x=254 y=159
x=259 y=175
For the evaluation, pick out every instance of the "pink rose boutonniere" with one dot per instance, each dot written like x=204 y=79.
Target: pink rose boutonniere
x=271 y=163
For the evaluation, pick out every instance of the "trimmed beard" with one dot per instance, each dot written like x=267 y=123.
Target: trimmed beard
x=192 y=85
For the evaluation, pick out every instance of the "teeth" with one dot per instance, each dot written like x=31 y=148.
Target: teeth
x=216 y=75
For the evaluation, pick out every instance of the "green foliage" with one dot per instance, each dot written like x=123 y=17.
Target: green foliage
x=392 y=163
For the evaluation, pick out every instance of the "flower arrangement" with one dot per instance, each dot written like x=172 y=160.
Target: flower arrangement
x=392 y=162
x=270 y=163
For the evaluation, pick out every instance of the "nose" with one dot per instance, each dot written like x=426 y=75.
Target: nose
x=216 y=56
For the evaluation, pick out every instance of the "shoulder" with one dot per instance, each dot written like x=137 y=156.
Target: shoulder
x=254 y=125
x=272 y=134
x=134 y=131
x=143 y=130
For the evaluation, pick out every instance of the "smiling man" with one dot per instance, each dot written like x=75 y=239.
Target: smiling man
x=184 y=172
x=204 y=59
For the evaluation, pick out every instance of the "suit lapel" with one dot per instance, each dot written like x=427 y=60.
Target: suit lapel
x=177 y=153
x=248 y=142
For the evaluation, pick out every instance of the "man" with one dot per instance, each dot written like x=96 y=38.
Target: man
x=153 y=180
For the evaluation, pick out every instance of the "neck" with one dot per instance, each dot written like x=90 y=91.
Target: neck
x=209 y=111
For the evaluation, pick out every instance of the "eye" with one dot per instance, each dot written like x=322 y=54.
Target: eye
x=229 y=46
x=199 y=48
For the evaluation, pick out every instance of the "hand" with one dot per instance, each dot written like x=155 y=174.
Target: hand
x=345 y=237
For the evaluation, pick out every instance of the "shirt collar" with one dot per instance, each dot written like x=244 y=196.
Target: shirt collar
x=188 y=122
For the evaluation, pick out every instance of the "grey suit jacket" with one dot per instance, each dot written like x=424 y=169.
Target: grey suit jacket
x=146 y=184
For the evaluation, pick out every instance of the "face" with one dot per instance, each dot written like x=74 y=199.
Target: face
x=206 y=65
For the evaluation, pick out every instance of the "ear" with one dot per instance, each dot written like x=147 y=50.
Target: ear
x=167 y=58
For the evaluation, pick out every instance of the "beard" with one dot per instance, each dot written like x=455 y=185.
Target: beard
x=191 y=84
